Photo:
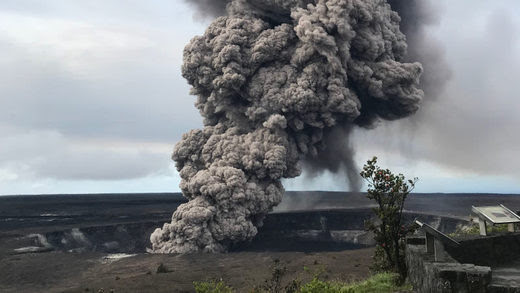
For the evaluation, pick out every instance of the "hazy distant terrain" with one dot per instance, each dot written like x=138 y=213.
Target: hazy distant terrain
x=446 y=204
x=22 y=212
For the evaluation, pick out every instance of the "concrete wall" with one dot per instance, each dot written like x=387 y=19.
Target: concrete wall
x=488 y=251
x=467 y=268
x=426 y=275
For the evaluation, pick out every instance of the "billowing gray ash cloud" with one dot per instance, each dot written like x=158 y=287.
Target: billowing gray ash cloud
x=416 y=17
x=275 y=80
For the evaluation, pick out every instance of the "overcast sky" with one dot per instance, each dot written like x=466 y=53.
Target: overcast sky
x=92 y=100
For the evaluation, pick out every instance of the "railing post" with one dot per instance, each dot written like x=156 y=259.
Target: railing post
x=430 y=243
x=511 y=227
x=439 y=250
x=483 y=226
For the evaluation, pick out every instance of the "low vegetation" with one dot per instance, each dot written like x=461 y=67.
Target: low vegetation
x=474 y=229
x=380 y=283
x=274 y=283
x=213 y=286
x=162 y=269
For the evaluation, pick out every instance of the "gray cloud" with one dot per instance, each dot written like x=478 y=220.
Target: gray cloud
x=48 y=154
x=476 y=123
x=69 y=84
x=136 y=103
x=472 y=124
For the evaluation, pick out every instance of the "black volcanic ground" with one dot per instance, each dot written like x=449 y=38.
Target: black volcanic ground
x=40 y=211
x=59 y=271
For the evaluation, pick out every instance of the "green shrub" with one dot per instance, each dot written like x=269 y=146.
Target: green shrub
x=274 y=284
x=500 y=228
x=474 y=229
x=213 y=286
x=161 y=269
x=319 y=286
x=389 y=191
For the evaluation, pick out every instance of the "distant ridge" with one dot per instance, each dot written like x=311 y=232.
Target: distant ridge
x=179 y=194
x=175 y=194
x=18 y=211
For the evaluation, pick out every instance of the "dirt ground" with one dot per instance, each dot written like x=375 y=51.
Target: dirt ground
x=89 y=272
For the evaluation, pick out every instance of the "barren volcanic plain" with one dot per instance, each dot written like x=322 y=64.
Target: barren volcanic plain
x=82 y=243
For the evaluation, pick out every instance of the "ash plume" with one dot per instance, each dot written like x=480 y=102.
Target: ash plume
x=276 y=81
x=416 y=17
x=209 y=8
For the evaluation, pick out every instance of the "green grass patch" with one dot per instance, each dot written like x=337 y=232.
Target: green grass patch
x=213 y=286
x=381 y=283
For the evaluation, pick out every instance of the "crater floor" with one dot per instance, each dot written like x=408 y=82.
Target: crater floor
x=88 y=272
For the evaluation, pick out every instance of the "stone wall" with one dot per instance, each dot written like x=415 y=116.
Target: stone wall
x=426 y=275
x=466 y=268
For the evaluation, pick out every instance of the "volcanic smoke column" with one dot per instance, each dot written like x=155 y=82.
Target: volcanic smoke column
x=273 y=79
